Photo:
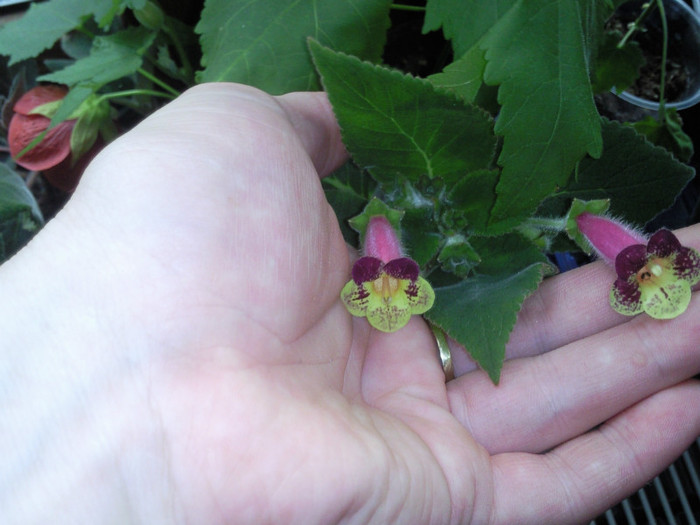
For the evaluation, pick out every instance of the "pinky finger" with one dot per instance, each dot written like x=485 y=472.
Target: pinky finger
x=585 y=476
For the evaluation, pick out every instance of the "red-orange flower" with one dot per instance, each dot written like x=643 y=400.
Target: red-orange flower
x=59 y=156
x=25 y=126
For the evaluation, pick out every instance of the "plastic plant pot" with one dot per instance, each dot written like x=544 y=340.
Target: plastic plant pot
x=684 y=35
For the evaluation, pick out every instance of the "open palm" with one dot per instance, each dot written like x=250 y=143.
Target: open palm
x=240 y=389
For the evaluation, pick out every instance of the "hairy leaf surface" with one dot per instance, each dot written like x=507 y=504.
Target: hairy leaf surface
x=396 y=125
x=480 y=312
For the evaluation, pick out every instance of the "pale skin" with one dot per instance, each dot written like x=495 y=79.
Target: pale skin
x=174 y=350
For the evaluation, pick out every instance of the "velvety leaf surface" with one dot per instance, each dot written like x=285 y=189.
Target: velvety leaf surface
x=111 y=57
x=505 y=254
x=480 y=313
x=548 y=120
x=474 y=196
x=640 y=179
x=396 y=125
x=263 y=44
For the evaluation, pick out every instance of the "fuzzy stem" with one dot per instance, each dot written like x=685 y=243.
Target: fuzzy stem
x=158 y=82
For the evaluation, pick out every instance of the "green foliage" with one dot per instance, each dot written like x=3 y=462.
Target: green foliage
x=111 y=57
x=20 y=217
x=543 y=79
x=667 y=132
x=264 y=43
x=640 y=179
x=480 y=313
x=45 y=23
x=396 y=125
x=616 y=67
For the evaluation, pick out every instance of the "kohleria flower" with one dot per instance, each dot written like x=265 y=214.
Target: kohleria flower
x=386 y=286
x=654 y=276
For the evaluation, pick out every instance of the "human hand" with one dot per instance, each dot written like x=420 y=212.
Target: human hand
x=195 y=362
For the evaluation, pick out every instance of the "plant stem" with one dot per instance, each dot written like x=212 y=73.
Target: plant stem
x=550 y=224
x=180 y=50
x=634 y=26
x=664 y=53
x=130 y=92
x=403 y=7
x=159 y=82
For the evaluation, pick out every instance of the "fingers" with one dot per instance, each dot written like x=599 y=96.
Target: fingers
x=544 y=400
x=583 y=477
x=312 y=117
x=573 y=305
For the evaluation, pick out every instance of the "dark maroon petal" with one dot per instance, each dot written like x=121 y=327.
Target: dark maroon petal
x=402 y=268
x=663 y=243
x=366 y=269
x=630 y=260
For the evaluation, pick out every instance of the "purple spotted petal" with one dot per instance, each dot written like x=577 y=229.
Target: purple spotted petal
x=366 y=269
x=630 y=260
x=626 y=297
x=402 y=268
x=686 y=265
x=663 y=243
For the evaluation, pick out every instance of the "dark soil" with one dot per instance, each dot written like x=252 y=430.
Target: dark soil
x=650 y=40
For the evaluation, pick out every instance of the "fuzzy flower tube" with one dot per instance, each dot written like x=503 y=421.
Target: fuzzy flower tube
x=654 y=275
x=386 y=286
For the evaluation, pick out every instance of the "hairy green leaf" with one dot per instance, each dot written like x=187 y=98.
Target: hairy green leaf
x=398 y=126
x=548 y=120
x=111 y=57
x=667 y=133
x=640 y=179
x=505 y=254
x=263 y=44
x=474 y=196
x=480 y=312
